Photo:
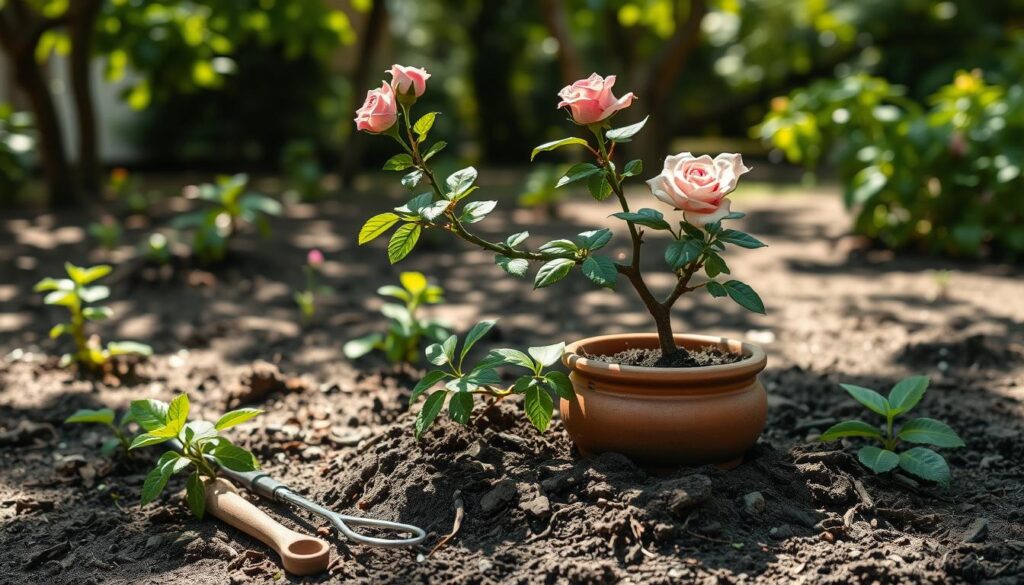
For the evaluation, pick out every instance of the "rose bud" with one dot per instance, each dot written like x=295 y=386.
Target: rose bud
x=698 y=185
x=590 y=100
x=315 y=258
x=379 y=112
x=406 y=80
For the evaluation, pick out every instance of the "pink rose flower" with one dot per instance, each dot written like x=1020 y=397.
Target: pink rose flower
x=590 y=100
x=379 y=111
x=315 y=258
x=405 y=78
x=698 y=185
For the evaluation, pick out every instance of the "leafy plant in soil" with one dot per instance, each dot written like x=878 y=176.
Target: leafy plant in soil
x=231 y=206
x=106 y=417
x=200 y=442
x=306 y=299
x=919 y=461
x=107 y=233
x=697 y=187
x=462 y=382
x=406 y=329
x=75 y=293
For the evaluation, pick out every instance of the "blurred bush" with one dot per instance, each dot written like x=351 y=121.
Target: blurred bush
x=15 y=145
x=942 y=177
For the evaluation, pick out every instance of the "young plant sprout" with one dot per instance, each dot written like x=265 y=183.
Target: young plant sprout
x=406 y=329
x=306 y=299
x=107 y=233
x=74 y=293
x=231 y=206
x=106 y=417
x=157 y=249
x=200 y=441
x=697 y=187
x=919 y=461
x=462 y=382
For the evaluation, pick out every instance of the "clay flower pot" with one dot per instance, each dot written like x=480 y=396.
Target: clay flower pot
x=665 y=416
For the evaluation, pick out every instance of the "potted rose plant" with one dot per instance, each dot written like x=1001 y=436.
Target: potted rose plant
x=661 y=398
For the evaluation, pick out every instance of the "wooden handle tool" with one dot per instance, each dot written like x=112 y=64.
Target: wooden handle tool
x=300 y=554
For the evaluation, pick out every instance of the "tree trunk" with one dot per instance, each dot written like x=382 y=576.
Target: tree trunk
x=81 y=33
x=557 y=22
x=376 y=23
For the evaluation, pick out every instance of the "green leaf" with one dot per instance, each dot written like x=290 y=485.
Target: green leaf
x=560 y=246
x=109 y=446
x=851 y=428
x=481 y=376
x=429 y=380
x=907 y=393
x=146 y=439
x=51 y=284
x=740 y=239
x=156 y=479
x=150 y=414
x=460 y=407
x=199 y=430
x=65 y=298
x=474 y=335
x=516 y=239
x=548 y=146
x=594 y=239
x=513 y=357
x=234 y=457
x=735 y=215
x=403 y=241
x=177 y=410
x=598 y=186
x=715 y=265
x=83 y=276
x=577 y=172
x=682 y=252
x=195 y=495
x=103 y=416
x=744 y=296
x=646 y=217
x=236 y=417
x=475 y=211
x=375 y=226
x=460 y=181
x=561 y=384
x=129 y=348
x=633 y=168
x=416 y=204
x=601 y=271
x=423 y=125
x=361 y=346
x=716 y=289
x=878 y=460
x=58 y=330
x=97 y=313
x=399 y=162
x=426 y=416
x=930 y=432
x=434 y=149
x=926 y=464
x=547 y=355
x=513 y=266
x=553 y=271
x=539 y=407
x=412 y=179
x=873 y=400
x=626 y=133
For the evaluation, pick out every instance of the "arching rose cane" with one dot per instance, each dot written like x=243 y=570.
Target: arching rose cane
x=683 y=409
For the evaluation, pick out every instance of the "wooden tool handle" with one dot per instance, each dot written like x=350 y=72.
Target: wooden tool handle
x=300 y=554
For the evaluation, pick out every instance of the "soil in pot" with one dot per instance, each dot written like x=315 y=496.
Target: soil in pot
x=652 y=358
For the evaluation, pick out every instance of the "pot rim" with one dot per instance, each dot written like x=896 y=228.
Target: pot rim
x=754 y=360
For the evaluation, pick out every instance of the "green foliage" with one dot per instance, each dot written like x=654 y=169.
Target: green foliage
x=302 y=170
x=157 y=249
x=919 y=461
x=106 y=417
x=201 y=447
x=76 y=293
x=107 y=233
x=15 y=145
x=462 y=380
x=540 y=190
x=230 y=206
x=406 y=329
x=945 y=179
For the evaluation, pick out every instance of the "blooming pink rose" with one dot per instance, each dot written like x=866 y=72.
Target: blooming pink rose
x=590 y=100
x=379 y=111
x=405 y=78
x=315 y=258
x=698 y=185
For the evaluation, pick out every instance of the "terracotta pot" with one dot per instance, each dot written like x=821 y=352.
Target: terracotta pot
x=665 y=416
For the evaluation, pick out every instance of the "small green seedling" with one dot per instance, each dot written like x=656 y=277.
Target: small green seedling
x=106 y=417
x=157 y=249
x=200 y=441
x=306 y=299
x=231 y=207
x=303 y=172
x=462 y=382
x=919 y=461
x=107 y=234
x=74 y=293
x=406 y=329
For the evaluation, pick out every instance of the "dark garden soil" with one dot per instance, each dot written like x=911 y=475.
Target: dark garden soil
x=534 y=511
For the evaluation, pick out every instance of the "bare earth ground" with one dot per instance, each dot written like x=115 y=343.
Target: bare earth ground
x=534 y=511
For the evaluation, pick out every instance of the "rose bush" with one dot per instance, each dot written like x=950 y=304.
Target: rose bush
x=696 y=186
